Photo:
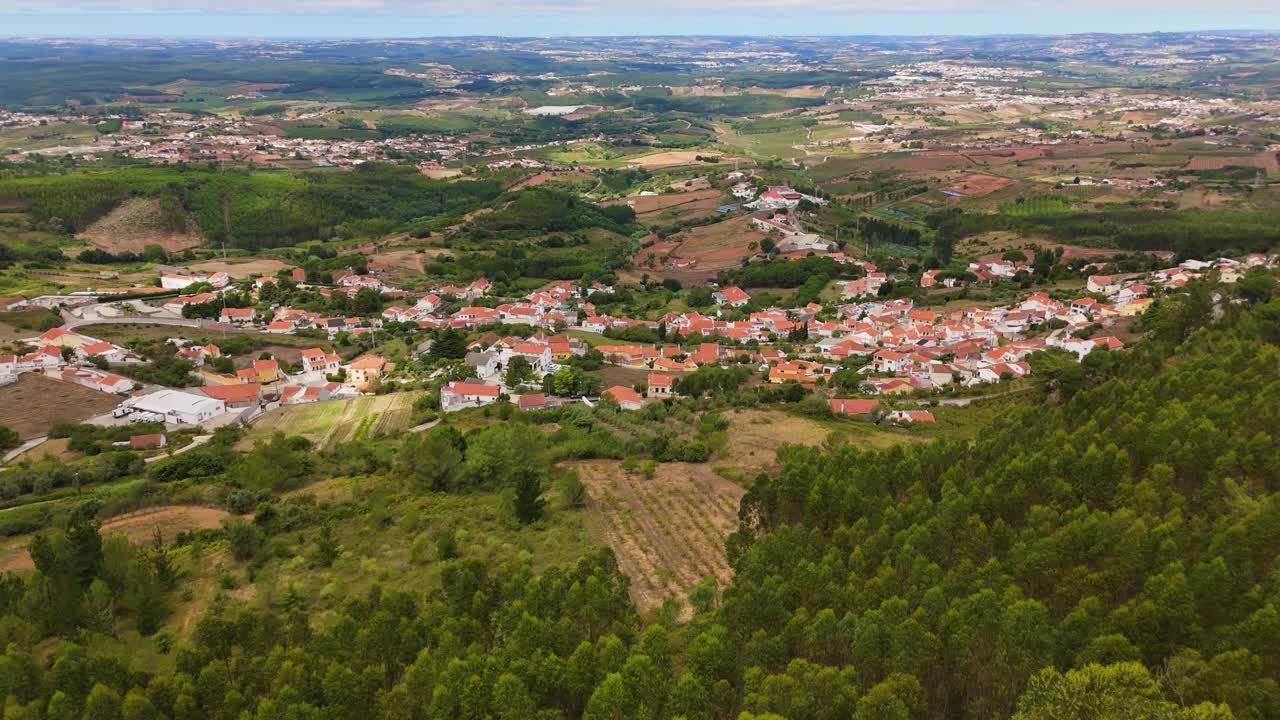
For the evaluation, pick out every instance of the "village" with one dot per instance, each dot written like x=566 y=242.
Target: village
x=906 y=357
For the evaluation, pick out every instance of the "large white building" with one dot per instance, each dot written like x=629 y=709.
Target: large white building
x=180 y=407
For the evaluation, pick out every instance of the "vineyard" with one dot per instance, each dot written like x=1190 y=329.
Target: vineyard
x=333 y=422
x=1037 y=206
x=667 y=528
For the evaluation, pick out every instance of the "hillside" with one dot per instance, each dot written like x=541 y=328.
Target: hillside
x=1114 y=545
x=138 y=222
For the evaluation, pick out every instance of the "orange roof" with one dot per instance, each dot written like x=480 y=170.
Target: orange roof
x=657 y=380
x=368 y=362
x=622 y=393
x=853 y=406
x=248 y=392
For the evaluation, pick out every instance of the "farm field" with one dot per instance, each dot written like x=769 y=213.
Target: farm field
x=247 y=268
x=667 y=531
x=651 y=208
x=36 y=403
x=122 y=334
x=754 y=437
x=331 y=422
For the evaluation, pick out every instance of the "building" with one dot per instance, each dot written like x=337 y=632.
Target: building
x=661 y=385
x=626 y=398
x=459 y=395
x=235 y=396
x=732 y=296
x=854 y=406
x=297 y=394
x=182 y=408
x=912 y=416
x=238 y=316
x=533 y=401
x=317 y=360
x=365 y=369
x=150 y=441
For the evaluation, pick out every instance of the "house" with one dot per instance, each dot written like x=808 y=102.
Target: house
x=429 y=304
x=317 y=360
x=175 y=305
x=1103 y=284
x=459 y=395
x=297 y=394
x=182 y=408
x=150 y=441
x=626 y=398
x=854 y=406
x=105 y=350
x=237 y=316
x=485 y=364
x=732 y=296
x=890 y=361
x=801 y=371
x=235 y=396
x=912 y=416
x=96 y=380
x=532 y=402
x=661 y=385
x=60 y=338
x=365 y=369
x=175 y=281
x=266 y=371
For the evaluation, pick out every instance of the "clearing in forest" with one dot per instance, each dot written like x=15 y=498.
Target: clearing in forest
x=668 y=531
x=137 y=223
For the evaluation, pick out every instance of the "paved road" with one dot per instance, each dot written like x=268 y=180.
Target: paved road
x=196 y=442
x=72 y=322
x=33 y=442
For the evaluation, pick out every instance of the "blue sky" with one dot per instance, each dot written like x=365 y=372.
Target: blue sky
x=423 y=18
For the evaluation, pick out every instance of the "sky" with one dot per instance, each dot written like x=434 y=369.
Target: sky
x=426 y=18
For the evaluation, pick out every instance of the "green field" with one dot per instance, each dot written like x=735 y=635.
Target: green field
x=332 y=422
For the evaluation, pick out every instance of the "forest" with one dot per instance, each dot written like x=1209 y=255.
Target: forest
x=1107 y=553
x=256 y=209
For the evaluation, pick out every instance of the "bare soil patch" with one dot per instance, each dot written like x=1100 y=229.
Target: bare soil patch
x=978 y=184
x=649 y=207
x=668 y=531
x=702 y=251
x=441 y=173
x=36 y=403
x=241 y=268
x=137 y=223
x=667 y=159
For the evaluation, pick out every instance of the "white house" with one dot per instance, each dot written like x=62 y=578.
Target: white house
x=461 y=395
